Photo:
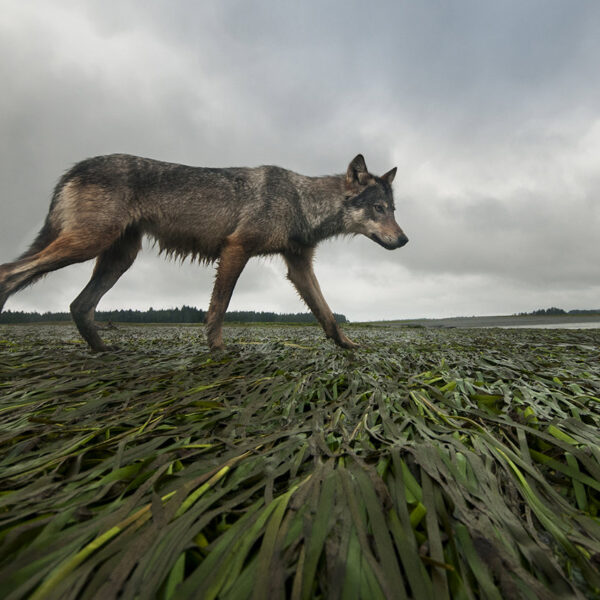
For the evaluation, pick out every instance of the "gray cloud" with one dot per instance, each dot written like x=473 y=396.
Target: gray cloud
x=490 y=110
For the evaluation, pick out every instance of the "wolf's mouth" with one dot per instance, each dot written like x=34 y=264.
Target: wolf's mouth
x=399 y=243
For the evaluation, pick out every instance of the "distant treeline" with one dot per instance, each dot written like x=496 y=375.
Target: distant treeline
x=185 y=314
x=559 y=311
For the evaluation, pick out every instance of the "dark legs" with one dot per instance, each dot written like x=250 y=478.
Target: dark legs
x=110 y=265
x=231 y=264
x=301 y=274
x=116 y=257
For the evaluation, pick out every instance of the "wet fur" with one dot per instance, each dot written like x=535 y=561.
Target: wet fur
x=104 y=206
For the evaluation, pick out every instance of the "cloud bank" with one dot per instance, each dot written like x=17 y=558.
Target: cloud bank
x=491 y=111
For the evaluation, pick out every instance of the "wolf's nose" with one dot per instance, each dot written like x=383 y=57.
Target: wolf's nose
x=402 y=241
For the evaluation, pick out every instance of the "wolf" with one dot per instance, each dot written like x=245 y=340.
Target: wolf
x=103 y=206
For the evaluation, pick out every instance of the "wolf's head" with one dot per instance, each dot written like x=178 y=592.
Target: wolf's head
x=369 y=205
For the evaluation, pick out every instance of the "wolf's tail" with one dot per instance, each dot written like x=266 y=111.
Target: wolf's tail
x=8 y=284
x=46 y=236
x=49 y=231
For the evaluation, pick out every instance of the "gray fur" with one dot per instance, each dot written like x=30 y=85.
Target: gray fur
x=103 y=206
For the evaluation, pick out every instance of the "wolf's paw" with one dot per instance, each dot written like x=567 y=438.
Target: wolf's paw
x=347 y=343
x=106 y=348
x=216 y=347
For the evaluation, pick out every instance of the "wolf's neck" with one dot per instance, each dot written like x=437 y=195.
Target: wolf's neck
x=322 y=198
x=321 y=204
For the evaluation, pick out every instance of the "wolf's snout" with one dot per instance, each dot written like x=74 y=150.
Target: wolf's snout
x=390 y=241
x=402 y=240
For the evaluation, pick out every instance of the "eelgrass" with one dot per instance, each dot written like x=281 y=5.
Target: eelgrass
x=429 y=464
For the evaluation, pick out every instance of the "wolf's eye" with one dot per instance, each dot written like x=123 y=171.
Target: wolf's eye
x=379 y=209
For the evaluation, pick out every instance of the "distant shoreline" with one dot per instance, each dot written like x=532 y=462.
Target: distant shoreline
x=507 y=321
x=497 y=321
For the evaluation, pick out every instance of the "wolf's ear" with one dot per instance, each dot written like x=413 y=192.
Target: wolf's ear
x=357 y=171
x=389 y=176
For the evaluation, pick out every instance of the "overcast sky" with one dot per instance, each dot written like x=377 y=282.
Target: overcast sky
x=489 y=109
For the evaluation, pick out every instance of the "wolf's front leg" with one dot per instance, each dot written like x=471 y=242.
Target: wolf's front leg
x=232 y=262
x=301 y=274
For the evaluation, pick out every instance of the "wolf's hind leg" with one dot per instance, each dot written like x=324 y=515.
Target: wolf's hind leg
x=301 y=274
x=232 y=262
x=65 y=249
x=110 y=265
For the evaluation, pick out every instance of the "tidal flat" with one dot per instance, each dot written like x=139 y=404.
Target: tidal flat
x=447 y=463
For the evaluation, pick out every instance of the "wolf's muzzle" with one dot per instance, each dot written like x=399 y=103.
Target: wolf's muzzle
x=402 y=241
x=388 y=244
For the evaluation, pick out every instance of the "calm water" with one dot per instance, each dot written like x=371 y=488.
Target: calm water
x=588 y=325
